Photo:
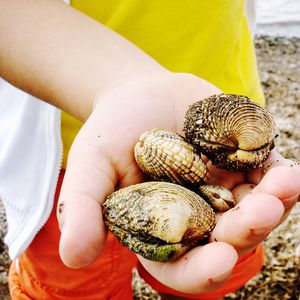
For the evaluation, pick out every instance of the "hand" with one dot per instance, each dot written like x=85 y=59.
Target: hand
x=101 y=160
x=265 y=197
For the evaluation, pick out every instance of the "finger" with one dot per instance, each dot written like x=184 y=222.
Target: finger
x=89 y=178
x=282 y=182
x=248 y=223
x=241 y=191
x=277 y=160
x=200 y=270
x=92 y=174
x=274 y=160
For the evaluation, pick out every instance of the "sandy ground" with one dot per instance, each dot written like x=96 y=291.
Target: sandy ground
x=279 y=64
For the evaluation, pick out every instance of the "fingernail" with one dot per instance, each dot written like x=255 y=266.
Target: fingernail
x=260 y=231
x=263 y=230
x=289 y=203
x=221 y=277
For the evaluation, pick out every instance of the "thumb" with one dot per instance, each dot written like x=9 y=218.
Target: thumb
x=90 y=177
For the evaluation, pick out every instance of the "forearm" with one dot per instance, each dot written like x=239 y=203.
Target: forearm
x=62 y=56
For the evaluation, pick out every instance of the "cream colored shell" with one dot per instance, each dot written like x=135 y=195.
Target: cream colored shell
x=158 y=220
x=166 y=156
x=161 y=220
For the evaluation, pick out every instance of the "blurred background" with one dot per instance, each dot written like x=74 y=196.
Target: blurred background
x=278 y=17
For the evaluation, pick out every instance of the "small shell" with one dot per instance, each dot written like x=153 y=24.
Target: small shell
x=158 y=220
x=165 y=156
x=219 y=198
x=234 y=132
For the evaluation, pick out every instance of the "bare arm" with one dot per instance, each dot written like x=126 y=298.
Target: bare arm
x=64 y=57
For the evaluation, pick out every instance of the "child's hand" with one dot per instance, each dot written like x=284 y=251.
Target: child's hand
x=261 y=208
x=101 y=159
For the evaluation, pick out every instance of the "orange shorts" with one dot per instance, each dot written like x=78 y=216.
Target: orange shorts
x=39 y=273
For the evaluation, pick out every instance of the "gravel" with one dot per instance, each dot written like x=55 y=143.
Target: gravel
x=279 y=64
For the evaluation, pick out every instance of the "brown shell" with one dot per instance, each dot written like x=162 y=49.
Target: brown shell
x=166 y=156
x=158 y=220
x=234 y=132
x=161 y=220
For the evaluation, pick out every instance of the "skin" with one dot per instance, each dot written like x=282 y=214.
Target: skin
x=120 y=92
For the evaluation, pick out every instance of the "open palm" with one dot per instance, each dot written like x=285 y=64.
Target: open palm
x=101 y=160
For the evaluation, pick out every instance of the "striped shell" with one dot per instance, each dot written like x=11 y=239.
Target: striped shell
x=166 y=156
x=161 y=220
x=219 y=198
x=158 y=220
x=234 y=132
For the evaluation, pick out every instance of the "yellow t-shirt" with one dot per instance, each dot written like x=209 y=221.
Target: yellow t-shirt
x=210 y=39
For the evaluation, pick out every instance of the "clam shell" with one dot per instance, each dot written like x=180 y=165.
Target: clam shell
x=219 y=198
x=166 y=156
x=234 y=132
x=158 y=220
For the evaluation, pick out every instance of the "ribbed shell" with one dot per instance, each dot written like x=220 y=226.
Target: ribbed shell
x=219 y=198
x=222 y=124
x=158 y=220
x=166 y=156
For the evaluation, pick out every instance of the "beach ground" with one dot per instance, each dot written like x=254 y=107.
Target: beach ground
x=279 y=66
